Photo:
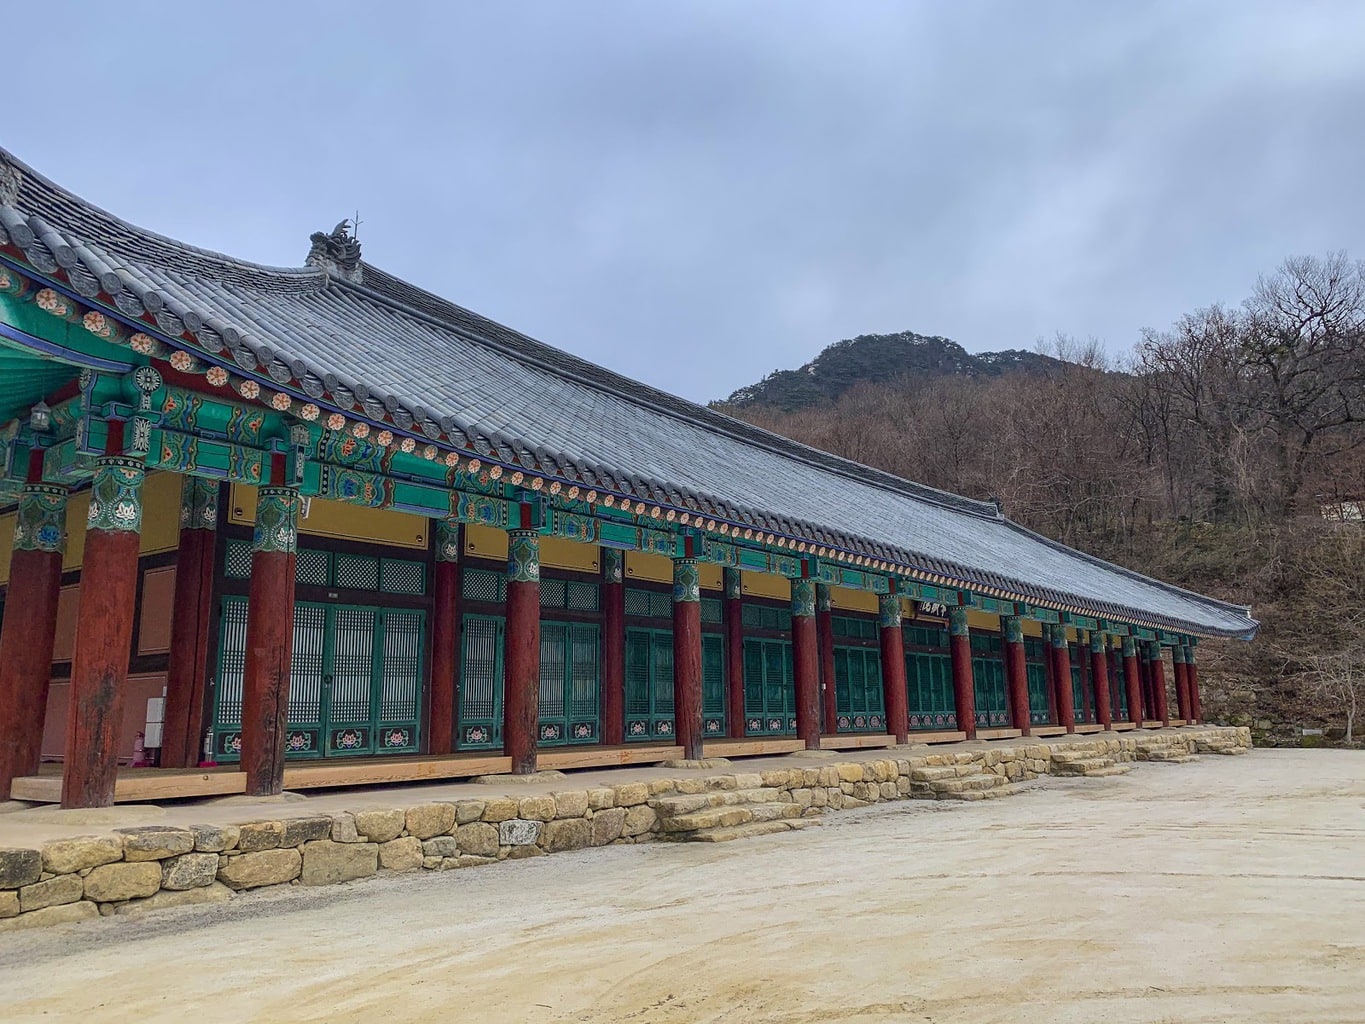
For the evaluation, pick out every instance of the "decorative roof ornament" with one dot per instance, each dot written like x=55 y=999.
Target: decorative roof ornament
x=337 y=253
x=9 y=181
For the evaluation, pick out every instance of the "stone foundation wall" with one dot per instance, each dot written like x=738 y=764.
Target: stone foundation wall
x=134 y=870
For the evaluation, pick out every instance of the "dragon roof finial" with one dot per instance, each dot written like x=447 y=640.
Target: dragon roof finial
x=337 y=252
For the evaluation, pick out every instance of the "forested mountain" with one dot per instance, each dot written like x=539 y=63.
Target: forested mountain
x=880 y=359
x=1221 y=459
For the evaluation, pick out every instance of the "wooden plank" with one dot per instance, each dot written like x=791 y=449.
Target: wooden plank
x=38 y=788
x=158 y=785
x=1123 y=726
x=321 y=775
x=1151 y=724
x=140 y=785
x=937 y=737
x=1089 y=728
x=856 y=741
x=596 y=757
x=751 y=747
x=998 y=734
x=1178 y=721
x=1048 y=730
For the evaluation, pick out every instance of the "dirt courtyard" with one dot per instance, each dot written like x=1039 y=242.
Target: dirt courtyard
x=1228 y=889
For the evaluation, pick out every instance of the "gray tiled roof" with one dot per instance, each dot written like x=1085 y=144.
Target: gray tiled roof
x=387 y=346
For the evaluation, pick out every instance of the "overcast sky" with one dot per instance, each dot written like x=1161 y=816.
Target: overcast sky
x=697 y=193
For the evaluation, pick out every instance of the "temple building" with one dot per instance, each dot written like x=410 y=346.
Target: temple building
x=356 y=533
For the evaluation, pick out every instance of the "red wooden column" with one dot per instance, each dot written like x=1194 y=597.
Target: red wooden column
x=894 y=693
x=1159 y=685
x=806 y=662
x=1099 y=677
x=1016 y=669
x=104 y=632
x=824 y=629
x=1192 y=675
x=687 y=656
x=613 y=647
x=1061 y=670
x=1182 y=682
x=445 y=638
x=734 y=654
x=1132 y=679
x=521 y=659
x=964 y=687
x=30 y=627
x=187 y=667
x=269 y=639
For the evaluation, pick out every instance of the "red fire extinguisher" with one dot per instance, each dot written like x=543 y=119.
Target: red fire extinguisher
x=140 y=752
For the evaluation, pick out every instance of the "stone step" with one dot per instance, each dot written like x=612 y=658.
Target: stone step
x=728 y=816
x=1004 y=789
x=758 y=828
x=934 y=773
x=668 y=806
x=1173 y=756
x=1082 y=766
x=1113 y=769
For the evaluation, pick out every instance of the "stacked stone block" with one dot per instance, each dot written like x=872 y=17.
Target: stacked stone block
x=151 y=867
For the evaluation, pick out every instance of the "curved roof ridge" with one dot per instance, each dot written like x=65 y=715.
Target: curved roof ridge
x=28 y=177
x=1123 y=570
x=639 y=393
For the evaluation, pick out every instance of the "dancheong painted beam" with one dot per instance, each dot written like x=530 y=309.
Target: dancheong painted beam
x=572 y=563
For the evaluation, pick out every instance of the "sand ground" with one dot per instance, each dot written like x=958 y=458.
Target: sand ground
x=1232 y=889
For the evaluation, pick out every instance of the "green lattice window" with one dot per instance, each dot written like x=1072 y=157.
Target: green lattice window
x=649 y=684
x=858 y=700
x=570 y=595
x=481 y=649
x=769 y=687
x=926 y=636
x=648 y=604
x=711 y=612
x=1039 y=699
x=713 y=684
x=929 y=679
x=1082 y=702
x=764 y=616
x=844 y=626
x=484 y=586
x=1118 y=693
x=988 y=678
x=355 y=680
x=570 y=670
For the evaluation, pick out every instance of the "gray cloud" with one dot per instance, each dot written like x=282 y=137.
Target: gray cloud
x=697 y=193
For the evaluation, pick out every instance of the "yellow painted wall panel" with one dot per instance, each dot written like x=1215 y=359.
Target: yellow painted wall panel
x=766 y=584
x=640 y=565
x=339 y=520
x=6 y=545
x=561 y=553
x=160 y=513
x=983 y=620
x=853 y=600
x=1032 y=627
x=712 y=576
x=485 y=541
x=77 y=510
